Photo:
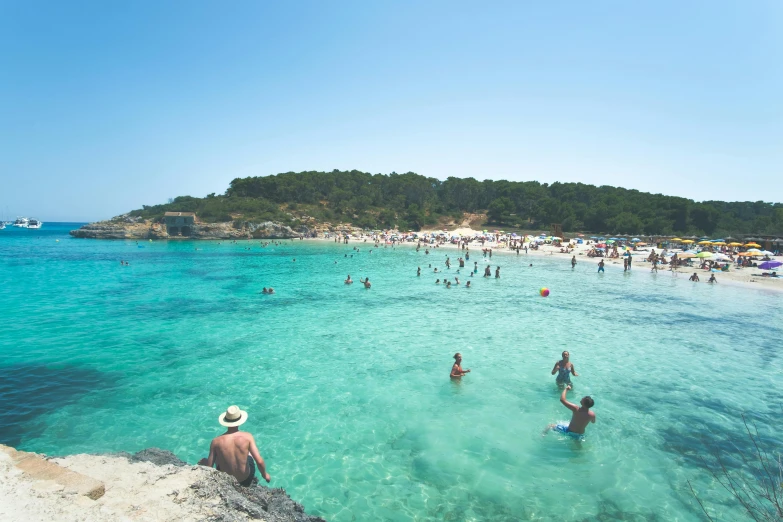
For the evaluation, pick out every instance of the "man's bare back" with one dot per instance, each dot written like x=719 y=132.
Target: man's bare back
x=232 y=453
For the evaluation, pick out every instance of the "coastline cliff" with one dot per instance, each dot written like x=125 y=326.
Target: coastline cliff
x=145 y=229
x=152 y=484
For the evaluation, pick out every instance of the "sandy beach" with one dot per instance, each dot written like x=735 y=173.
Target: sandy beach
x=749 y=278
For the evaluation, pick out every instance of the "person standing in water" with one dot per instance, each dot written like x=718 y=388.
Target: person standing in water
x=456 y=369
x=365 y=282
x=497 y=273
x=601 y=265
x=580 y=418
x=573 y=262
x=418 y=271
x=564 y=368
x=348 y=280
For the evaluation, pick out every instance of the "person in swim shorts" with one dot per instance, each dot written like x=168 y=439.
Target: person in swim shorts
x=564 y=368
x=235 y=452
x=580 y=418
x=601 y=265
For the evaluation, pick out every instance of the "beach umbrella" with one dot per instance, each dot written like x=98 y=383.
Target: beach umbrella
x=686 y=255
x=755 y=251
x=704 y=254
x=641 y=243
x=613 y=238
x=687 y=241
x=719 y=257
x=756 y=245
x=769 y=265
x=705 y=242
x=719 y=243
x=675 y=239
x=735 y=244
x=635 y=239
x=593 y=237
x=555 y=238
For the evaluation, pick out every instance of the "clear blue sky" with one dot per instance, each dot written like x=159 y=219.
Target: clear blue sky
x=105 y=106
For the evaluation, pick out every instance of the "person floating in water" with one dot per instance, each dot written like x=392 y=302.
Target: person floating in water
x=564 y=369
x=601 y=265
x=348 y=280
x=365 y=282
x=581 y=417
x=235 y=452
x=456 y=370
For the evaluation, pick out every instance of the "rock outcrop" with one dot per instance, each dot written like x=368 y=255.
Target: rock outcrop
x=152 y=484
x=124 y=229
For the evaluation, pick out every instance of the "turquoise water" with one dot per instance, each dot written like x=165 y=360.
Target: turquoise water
x=348 y=389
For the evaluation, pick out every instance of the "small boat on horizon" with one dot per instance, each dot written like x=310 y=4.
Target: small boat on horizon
x=34 y=223
x=21 y=222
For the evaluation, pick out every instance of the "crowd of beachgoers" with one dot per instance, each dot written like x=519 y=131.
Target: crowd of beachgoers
x=735 y=261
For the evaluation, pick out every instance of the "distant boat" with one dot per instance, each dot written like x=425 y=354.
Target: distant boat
x=34 y=223
x=2 y=225
x=21 y=222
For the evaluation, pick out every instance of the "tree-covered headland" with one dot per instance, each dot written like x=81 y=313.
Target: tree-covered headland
x=410 y=202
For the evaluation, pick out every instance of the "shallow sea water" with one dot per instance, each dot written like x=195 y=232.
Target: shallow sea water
x=348 y=391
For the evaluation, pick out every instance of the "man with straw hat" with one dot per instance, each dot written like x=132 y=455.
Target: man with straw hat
x=234 y=451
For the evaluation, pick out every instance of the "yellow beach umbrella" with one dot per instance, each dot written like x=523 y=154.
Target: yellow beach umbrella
x=719 y=243
x=748 y=254
x=675 y=239
x=688 y=241
x=735 y=244
x=705 y=242
x=755 y=245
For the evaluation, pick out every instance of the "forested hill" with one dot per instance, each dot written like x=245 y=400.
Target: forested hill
x=411 y=201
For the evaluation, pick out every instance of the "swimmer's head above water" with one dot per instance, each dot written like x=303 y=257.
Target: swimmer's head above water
x=587 y=402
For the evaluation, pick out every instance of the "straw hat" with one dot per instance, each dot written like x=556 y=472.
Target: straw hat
x=232 y=417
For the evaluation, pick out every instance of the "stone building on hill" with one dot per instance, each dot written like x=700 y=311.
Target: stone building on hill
x=179 y=223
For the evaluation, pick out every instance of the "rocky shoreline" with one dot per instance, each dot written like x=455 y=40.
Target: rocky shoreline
x=152 y=484
x=149 y=230
x=124 y=227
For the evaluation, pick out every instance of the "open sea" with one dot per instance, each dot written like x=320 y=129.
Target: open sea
x=348 y=391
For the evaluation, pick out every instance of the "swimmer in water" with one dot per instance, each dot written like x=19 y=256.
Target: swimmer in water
x=365 y=282
x=437 y=281
x=418 y=271
x=270 y=290
x=564 y=369
x=456 y=370
x=580 y=418
x=348 y=280
x=264 y=291
x=448 y=284
x=467 y=285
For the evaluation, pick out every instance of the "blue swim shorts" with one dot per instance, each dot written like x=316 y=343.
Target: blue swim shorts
x=562 y=427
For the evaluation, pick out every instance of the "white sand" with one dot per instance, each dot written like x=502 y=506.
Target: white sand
x=742 y=277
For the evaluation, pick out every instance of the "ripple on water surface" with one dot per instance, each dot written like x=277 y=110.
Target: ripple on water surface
x=347 y=389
